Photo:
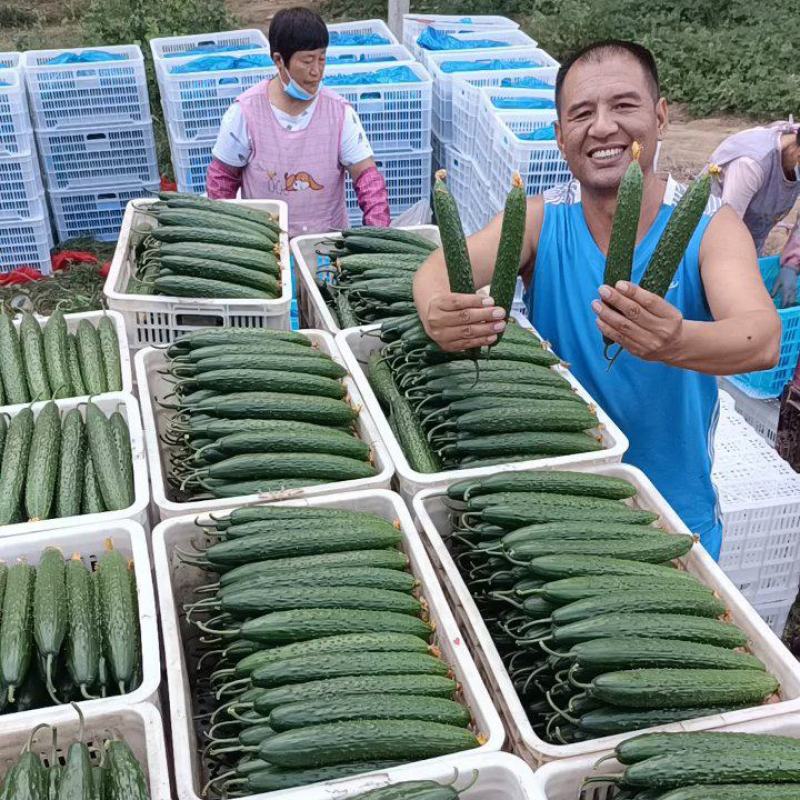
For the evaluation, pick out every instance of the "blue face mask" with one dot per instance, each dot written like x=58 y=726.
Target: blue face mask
x=297 y=92
x=797 y=172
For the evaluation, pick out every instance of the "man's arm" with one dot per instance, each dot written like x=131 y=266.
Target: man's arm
x=745 y=333
x=461 y=321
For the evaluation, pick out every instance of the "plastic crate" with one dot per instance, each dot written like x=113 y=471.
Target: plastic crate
x=408 y=180
x=356 y=345
x=88 y=540
x=443 y=81
x=564 y=780
x=776 y=613
x=190 y=160
x=307 y=264
x=482 y=207
x=395 y=116
x=762 y=415
x=137 y=512
x=21 y=191
x=194 y=102
x=16 y=138
x=364 y=27
x=139 y=725
x=508 y=38
x=437 y=154
x=9 y=60
x=415 y=24
x=771 y=382
x=395 y=54
x=96 y=93
x=433 y=517
x=540 y=163
x=152 y=385
x=25 y=244
x=95 y=213
x=177 y=580
x=166 y=48
x=99 y=157
x=159 y=320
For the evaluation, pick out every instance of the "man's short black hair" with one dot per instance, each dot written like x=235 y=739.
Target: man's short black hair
x=295 y=29
x=610 y=47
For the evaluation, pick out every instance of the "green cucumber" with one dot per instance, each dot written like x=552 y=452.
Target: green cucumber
x=43 y=463
x=83 y=634
x=121 y=437
x=124 y=777
x=76 y=379
x=32 y=344
x=14 y=467
x=50 y=611
x=109 y=351
x=56 y=352
x=12 y=367
x=16 y=628
x=113 y=486
x=91 y=496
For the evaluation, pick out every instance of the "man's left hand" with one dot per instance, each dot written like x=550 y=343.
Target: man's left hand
x=643 y=323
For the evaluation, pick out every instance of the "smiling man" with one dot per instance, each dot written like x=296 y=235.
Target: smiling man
x=716 y=319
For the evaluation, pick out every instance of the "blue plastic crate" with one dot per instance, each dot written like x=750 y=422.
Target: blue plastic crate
x=99 y=157
x=294 y=316
x=771 y=382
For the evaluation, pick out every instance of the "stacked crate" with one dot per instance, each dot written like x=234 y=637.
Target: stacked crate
x=94 y=134
x=25 y=237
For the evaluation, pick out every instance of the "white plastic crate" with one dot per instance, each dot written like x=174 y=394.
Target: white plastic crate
x=9 y=60
x=481 y=205
x=437 y=156
x=356 y=345
x=306 y=273
x=762 y=415
x=387 y=55
x=395 y=116
x=432 y=515
x=563 y=780
x=88 y=540
x=21 y=190
x=415 y=24
x=776 y=613
x=152 y=386
x=190 y=160
x=95 y=93
x=507 y=38
x=99 y=157
x=461 y=177
x=139 y=725
x=408 y=180
x=443 y=81
x=95 y=213
x=137 y=512
x=177 y=580
x=166 y=48
x=158 y=319
x=25 y=244
x=540 y=163
x=16 y=138
x=362 y=27
x=194 y=102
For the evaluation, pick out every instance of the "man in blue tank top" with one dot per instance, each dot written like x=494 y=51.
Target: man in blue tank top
x=716 y=318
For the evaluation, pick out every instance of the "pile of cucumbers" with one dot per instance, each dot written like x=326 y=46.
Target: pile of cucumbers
x=56 y=466
x=67 y=632
x=706 y=766
x=412 y=790
x=48 y=362
x=319 y=651
x=600 y=633
x=255 y=411
x=207 y=249
x=450 y=414
x=371 y=273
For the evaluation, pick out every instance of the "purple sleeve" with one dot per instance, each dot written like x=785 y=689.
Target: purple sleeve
x=790 y=256
x=373 y=198
x=222 y=180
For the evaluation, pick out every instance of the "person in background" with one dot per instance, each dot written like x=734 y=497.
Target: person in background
x=716 y=318
x=761 y=183
x=288 y=138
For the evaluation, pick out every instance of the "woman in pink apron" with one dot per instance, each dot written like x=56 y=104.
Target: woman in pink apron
x=290 y=139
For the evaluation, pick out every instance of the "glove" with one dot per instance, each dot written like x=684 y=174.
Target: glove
x=785 y=287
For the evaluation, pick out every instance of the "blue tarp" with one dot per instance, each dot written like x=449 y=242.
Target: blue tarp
x=358 y=59
x=86 y=57
x=486 y=64
x=222 y=48
x=339 y=39
x=3 y=83
x=545 y=134
x=434 y=39
x=388 y=75
x=525 y=83
x=522 y=102
x=222 y=63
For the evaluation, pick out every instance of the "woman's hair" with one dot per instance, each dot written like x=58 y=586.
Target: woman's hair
x=295 y=29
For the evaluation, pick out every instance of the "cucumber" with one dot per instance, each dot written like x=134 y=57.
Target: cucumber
x=568 y=590
x=739 y=791
x=221 y=271
x=121 y=436
x=271 y=778
x=43 y=462
x=360 y=577
x=556 y=567
x=253 y=216
x=90 y=354
x=529 y=444
x=105 y=461
x=208 y=337
x=188 y=286
x=12 y=368
x=340 y=742
x=3 y=434
x=16 y=629
x=560 y=416
x=198 y=235
x=221 y=488
x=32 y=345
x=74 y=363
x=302 y=364
x=263 y=349
x=91 y=497
x=278 y=405
x=56 y=352
x=265 y=380
x=206 y=217
x=76 y=778
x=411 y=790
x=608 y=721
x=83 y=634
x=239 y=256
x=392 y=235
x=124 y=778
x=14 y=467
x=50 y=611
x=109 y=350
x=27 y=779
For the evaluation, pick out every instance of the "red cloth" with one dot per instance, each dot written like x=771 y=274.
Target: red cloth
x=20 y=275
x=167 y=185
x=63 y=259
x=373 y=198
x=222 y=180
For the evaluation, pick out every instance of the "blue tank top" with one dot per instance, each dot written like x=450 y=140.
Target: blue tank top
x=668 y=414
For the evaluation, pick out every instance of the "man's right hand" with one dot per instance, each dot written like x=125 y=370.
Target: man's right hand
x=461 y=321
